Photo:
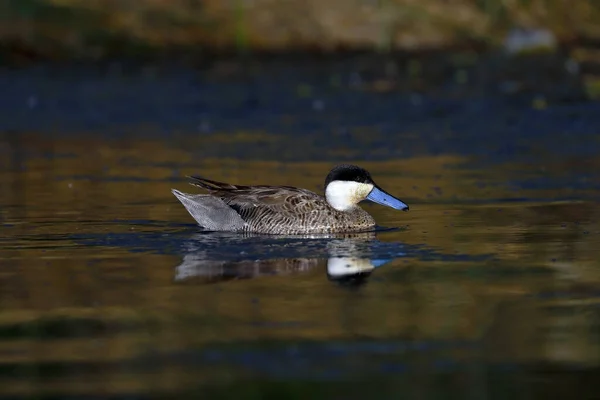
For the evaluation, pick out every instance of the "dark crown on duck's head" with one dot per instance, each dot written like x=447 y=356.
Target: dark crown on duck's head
x=349 y=173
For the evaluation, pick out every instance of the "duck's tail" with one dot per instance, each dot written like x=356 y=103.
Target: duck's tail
x=210 y=212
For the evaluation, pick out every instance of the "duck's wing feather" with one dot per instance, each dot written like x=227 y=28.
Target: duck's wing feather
x=211 y=185
x=254 y=201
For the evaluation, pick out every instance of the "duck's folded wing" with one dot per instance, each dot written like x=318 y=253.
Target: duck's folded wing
x=257 y=202
x=273 y=202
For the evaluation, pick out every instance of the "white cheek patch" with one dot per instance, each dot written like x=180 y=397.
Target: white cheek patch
x=344 y=195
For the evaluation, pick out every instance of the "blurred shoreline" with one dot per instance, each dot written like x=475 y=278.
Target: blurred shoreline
x=194 y=30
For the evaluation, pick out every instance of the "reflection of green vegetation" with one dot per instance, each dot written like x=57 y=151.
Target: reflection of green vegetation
x=309 y=389
x=65 y=327
x=99 y=28
x=592 y=87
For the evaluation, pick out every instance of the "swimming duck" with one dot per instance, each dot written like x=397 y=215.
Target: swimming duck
x=286 y=209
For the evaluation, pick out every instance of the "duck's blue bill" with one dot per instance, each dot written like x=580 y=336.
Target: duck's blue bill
x=380 y=197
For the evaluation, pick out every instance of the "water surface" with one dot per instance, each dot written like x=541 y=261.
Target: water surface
x=488 y=288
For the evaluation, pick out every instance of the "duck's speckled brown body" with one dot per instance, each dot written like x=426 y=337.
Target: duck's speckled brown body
x=275 y=209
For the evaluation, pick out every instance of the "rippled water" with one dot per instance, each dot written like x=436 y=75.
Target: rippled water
x=488 y=288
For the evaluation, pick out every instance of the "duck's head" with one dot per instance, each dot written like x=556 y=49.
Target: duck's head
x=347 y=185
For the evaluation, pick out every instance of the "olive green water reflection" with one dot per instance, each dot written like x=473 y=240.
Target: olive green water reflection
x=484 y=296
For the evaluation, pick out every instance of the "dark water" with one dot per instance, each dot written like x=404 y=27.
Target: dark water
x=488 y=288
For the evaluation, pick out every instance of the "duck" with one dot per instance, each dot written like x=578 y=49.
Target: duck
x=288 y=210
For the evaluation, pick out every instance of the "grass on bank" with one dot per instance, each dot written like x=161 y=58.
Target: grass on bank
x=98 y=28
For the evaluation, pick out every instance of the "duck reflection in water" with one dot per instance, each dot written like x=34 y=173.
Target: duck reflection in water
x=216 y=257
